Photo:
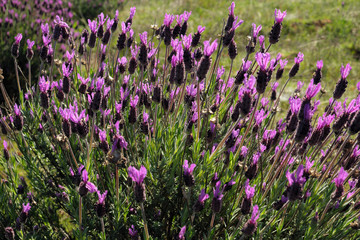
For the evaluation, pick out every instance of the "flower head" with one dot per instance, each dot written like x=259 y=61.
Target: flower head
x=101 y=197
x=92 y=25
x=256 y=30
x=26 y=208
x=30 y=43
x=263 y=60
x=200 y=29
x=319 y=64
x=296 y=177
x=210 y=48
x=188 y=170
x=299 y=58
x=249 y=191
x=143 y=38
x=342 y=175
x=182 y=233
x=217 y=192
x=18 y=38
x=345 y=71
x=89 y=185
x=312 y=89
x=168 y=19
x=137 y=176
x=279 y=16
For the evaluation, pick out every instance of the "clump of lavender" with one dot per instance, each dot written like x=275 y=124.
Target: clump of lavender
x=116 y=99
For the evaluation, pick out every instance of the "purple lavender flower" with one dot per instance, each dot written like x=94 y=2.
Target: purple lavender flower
x=133 y=233
x=115 y=21
x=132 y=14
x=143 y=58
x=217 y=198
x=312 y=90
x=296 y=66
x=197 y=36
x=29 y=51
x=85 y=186
x=100 y=205
x=231 y=17
x=274 y=35
x=199 y=205
x=93 y=29
x=18 y=118
x=188 y=174
x=296 y=181
x=262 y=77
x=16 y=45
x=25 y=212
x=342 y=83
x=122 y=65
x=209 y=48
x=251 y=225
x=255 y=30
x=6 y=150
x=205 y=61
x=138 y=177
x=317 y=74
x=45 y=29
x=181 y=235
x=339 y=183
x=44 y=87
x=280 y=70
x=247 y=200
x=279 y=16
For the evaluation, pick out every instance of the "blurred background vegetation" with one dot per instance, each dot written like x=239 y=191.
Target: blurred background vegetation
x=325 y=29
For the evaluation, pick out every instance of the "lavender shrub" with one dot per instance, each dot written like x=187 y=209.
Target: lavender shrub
x=173 y=146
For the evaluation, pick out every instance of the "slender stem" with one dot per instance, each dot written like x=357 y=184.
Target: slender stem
x=212 y=220
x=144 y=219
x=117 y=181
x=80 y=212
x=102 y=226
x=29 y=74
x=282 y=90
x=17 y=76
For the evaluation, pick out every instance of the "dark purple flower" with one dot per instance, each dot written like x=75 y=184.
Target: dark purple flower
x=25 y=212
x=217 y=198
x=15 y=46
x=339 y=183
x=199 y=205
x=6 y=150
x=251 y=225
x=296 y=181
x=85 y=185
x=138 y=177
x=188 y=173
x=100 y=205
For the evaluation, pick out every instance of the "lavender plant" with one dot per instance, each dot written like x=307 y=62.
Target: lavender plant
x=173 y=146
